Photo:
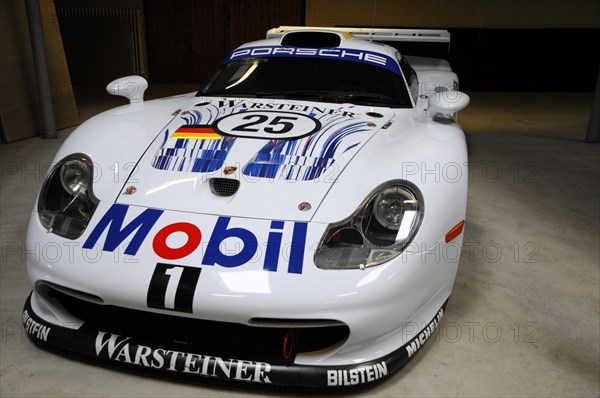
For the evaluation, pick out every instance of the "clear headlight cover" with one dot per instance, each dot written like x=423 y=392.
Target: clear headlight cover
x=379 y=230
x=66 y=201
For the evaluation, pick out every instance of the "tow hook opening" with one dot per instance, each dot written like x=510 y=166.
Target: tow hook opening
x=289 y=346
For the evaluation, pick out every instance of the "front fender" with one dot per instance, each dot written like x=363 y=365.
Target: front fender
x=116 y=139
x=429 y=154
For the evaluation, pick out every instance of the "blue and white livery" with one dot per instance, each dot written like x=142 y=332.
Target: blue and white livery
x=292 y=223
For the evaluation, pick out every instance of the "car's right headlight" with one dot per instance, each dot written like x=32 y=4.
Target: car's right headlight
x=378 y=231
x=67 y=201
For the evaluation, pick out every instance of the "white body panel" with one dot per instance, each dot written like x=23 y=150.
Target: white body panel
x=432 y=156
x=256 y=249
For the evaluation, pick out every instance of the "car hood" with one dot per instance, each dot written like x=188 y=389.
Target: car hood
x=283 y=155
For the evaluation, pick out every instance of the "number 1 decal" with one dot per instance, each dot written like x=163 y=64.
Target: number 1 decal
x=172 y=287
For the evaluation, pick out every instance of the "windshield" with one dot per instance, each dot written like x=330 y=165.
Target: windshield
x=315 y=79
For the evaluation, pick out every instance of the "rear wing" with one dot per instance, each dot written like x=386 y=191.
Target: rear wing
x=378 y=34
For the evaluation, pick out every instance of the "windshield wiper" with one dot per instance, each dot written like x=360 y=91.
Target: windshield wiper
x=267 y=94
x=318 y=95
x=332 y=96
x=290 y=94
x=225 y=94
x=369 y=98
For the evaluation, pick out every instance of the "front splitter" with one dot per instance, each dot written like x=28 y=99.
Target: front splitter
x=106 y=346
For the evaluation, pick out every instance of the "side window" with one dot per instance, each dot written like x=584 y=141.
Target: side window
x=410 y=76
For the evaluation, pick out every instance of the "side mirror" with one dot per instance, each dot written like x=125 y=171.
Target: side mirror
x=448 y=102
x=130 y=87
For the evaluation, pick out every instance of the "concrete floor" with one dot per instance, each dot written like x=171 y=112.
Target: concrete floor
x=524 y=316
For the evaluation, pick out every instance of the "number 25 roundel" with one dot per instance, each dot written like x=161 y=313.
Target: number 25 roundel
x=269 y=125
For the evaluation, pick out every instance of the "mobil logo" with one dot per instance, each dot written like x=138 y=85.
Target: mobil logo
x=137 y=230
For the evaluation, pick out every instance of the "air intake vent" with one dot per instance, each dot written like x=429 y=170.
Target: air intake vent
x=311 y=39
x=224 y=186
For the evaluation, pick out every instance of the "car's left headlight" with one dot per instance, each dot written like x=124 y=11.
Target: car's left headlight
x=381 y=228
x=67 y=201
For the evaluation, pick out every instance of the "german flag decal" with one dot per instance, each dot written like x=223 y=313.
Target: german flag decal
x=196 y=132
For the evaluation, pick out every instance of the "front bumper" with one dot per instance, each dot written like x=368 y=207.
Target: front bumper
x=105 y=345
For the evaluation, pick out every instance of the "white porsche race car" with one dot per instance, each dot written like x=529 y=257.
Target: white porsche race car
x=298 y=221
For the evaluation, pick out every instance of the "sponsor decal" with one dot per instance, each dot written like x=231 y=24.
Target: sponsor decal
x=246 y=105
x=346 y=54
x=122 y=349
x=418 y=341
x=112 y=224
x=359 y=375
x=34 y=328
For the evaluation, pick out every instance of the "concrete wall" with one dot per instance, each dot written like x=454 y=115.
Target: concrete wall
x=19 y=109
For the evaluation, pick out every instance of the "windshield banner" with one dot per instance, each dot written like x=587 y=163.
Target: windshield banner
x=366 y=57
